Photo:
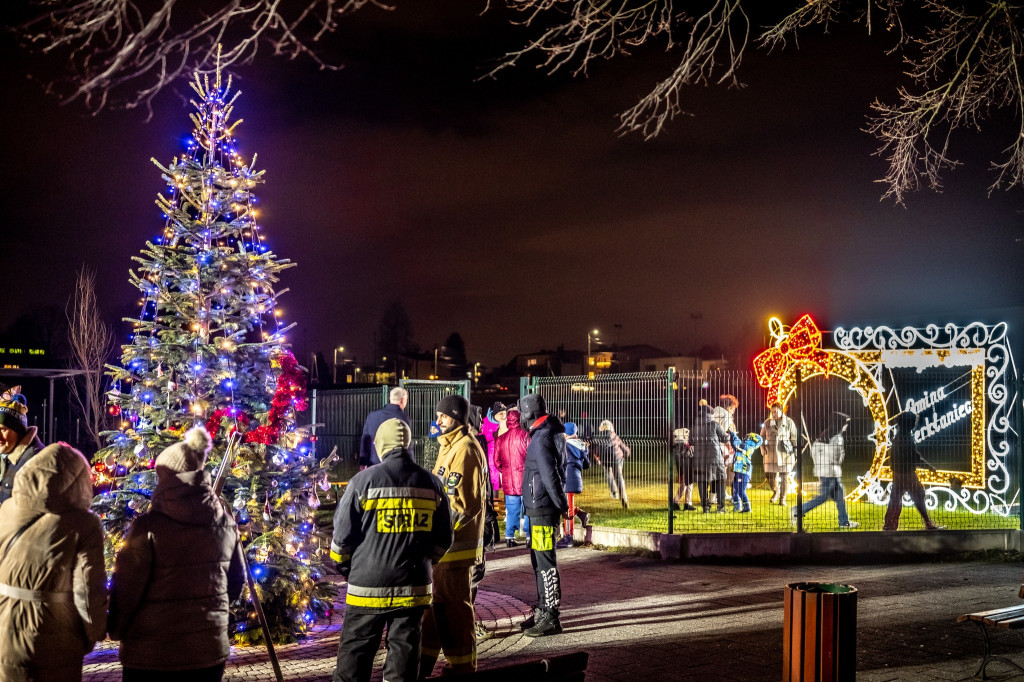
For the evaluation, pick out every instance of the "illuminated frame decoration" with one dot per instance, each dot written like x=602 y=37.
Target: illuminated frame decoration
x=861 y=356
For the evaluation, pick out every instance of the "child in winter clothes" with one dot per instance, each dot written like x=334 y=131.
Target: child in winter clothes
x=741 y=467
x=576 y=460
x=179 y=570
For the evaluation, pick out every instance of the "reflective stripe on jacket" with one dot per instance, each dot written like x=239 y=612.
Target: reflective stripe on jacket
x=392 y=523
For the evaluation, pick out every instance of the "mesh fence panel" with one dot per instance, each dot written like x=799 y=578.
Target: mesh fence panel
x=423 y=398
x=342 y=413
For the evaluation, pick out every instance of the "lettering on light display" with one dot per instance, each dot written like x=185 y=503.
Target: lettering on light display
x=932 y=425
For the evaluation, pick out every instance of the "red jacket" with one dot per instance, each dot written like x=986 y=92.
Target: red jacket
x=510 y=455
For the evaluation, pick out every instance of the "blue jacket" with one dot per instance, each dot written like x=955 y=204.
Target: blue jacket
x=576 y=461
x=367 y=454
x=744 y=452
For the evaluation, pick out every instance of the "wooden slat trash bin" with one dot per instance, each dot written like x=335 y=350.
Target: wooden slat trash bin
x=819 y=638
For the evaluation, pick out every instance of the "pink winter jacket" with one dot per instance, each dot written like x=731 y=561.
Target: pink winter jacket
x=489 y=430
x=510 y=455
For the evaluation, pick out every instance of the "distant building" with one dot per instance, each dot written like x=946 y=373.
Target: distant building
x=547 y=363
x=622 y=359
x=682 y=363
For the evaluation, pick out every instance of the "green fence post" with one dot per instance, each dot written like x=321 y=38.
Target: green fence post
x=670 y=393
x=799 y=456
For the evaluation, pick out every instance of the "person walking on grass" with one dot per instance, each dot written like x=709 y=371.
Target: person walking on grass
x=615 y=457
x=905 y=459
x=828 y=451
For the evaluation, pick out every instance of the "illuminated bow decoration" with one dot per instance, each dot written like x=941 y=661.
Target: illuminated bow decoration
x=801 y=344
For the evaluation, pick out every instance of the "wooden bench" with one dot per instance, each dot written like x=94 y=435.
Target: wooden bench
x=1009 y=618
x=564 y=668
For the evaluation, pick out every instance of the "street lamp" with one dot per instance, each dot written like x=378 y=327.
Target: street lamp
x=591 y=336
x=335 y=375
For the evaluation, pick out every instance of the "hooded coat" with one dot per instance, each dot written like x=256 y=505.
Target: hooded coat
x=180 y=567
x=489 y=430
x=544 y=470
x=707 y=438
x=52 y=580
x=510 y=454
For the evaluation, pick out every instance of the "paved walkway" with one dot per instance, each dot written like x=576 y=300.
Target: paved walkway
x=643 y=618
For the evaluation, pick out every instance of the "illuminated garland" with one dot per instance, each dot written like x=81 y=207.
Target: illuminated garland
x=289 y=396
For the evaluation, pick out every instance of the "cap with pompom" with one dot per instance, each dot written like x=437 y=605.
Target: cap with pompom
x=189 y=454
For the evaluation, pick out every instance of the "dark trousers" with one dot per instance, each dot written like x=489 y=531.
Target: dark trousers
x=544 y=530
x=212 y=674
x=709 y=486
x=901 y=483
x=360 y=638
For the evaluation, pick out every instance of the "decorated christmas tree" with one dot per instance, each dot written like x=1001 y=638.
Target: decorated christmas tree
x=209 y=348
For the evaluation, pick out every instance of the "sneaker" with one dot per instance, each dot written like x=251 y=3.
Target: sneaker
x=583 y=516
x=546 y=625
x=689 y=507
x=483 y=634
x=934 y=526
x=510 y=543
x=745 y=511
x=564 y=543
x=674 y=506
x=851 y=524
x=530 y=620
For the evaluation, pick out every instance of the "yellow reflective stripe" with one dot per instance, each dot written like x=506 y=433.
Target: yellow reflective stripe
x=399 y=503
x=338 y=558
x=542 y=538
x=388 y=602
x=459 y=660
x=475 y=553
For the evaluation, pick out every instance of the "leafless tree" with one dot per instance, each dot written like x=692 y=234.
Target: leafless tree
x=91 y=341
x=962 y=58
x=124 y=52
x=961 y=64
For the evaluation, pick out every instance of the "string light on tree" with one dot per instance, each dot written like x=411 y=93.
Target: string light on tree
x=208 y=347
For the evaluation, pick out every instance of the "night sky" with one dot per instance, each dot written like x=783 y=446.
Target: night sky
x=512 y=212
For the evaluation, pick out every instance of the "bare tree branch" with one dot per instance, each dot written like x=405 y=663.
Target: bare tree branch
x=91 y=341
x=124 y=52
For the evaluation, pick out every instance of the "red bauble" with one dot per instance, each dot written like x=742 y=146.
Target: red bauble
x=114 y=410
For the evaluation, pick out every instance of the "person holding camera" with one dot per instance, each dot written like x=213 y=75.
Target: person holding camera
x=778 y=448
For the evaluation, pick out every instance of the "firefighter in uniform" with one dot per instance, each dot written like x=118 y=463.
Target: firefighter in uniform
x=449 y=625
x=391 y=525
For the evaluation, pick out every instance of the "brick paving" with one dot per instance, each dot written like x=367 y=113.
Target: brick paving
x=645 y=618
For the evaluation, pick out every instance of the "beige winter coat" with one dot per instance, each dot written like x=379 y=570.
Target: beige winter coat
x=52 y=582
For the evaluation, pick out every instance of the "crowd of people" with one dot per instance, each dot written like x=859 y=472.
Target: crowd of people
x=410 y=542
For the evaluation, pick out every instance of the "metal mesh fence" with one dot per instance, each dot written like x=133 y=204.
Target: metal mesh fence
x=976 y=455
x=342 y=413
x=423 y=398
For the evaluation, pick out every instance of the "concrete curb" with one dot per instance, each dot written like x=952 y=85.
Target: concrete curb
x=802 y=545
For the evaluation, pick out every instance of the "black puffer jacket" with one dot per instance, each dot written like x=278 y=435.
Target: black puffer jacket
x=180 y=566
x=544 y=469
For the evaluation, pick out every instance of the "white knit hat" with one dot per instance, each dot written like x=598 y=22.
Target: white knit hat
x=188 y=454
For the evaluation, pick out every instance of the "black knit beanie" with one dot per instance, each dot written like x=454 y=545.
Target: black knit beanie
x=455 y=406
